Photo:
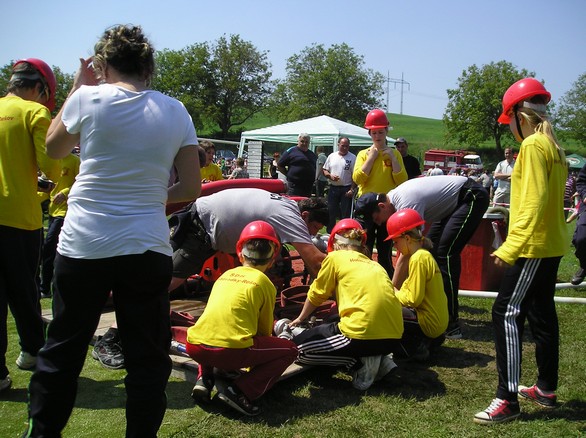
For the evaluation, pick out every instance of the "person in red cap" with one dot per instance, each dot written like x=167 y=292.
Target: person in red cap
x=536 y=241
x=235 y=328
x=25 y=117
x=378 y=169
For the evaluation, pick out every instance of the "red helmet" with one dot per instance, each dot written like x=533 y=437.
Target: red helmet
x=258 y=230
x=376 y=119
x=402 y=221
x=518 y=92
x=344 y=225
x=47 y=74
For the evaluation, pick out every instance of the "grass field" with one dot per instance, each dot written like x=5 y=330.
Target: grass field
x=436 y=399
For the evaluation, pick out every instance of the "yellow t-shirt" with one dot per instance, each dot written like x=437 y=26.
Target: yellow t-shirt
x=23 y=128
x=69 y=170
x=381 y=178
x=211 y=172
x=537 y=228
x=423 y=291
x=364 y=294
x=241 y=305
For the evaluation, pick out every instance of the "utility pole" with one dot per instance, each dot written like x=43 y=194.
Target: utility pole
x=401 y=81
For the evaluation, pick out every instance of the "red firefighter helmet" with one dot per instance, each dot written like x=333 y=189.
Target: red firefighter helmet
x=376 y=119
x=47 y=74
x=344 y=225
x=258 y=230
x=402 y=221
x=518 y=92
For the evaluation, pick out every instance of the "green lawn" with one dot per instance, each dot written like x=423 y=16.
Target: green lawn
x=437 y=399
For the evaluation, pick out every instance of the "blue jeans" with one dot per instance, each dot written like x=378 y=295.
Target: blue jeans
x=339 y=204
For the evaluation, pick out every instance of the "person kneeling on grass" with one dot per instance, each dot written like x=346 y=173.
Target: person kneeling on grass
x=235 y=328
x=370 y=324
x=425 y=306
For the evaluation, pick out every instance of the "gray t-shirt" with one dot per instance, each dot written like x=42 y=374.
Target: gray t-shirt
x=226 y=213
x=433 y=198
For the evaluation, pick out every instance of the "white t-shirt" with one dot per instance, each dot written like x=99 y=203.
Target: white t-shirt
x=504 y=186
x=341 y=165
x=128 y=142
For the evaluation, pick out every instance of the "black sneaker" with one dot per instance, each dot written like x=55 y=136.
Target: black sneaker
x=578 y=277
x=453 y=331
x=235 y=399
x=108 y=351
x=202 y=390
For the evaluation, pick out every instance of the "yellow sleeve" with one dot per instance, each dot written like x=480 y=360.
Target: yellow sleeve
x=40 y=125
x=324 y=286
x=412 y=291
x=266 y=314
x=358 y=175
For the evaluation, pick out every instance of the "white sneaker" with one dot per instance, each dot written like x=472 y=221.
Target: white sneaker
x=363 y=378
x=386 y=369
x=26 y=361
x=5 y=383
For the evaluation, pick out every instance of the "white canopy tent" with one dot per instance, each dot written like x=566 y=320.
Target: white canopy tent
x=324 y=131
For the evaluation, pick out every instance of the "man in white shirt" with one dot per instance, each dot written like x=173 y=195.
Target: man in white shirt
x=338 y=169
x=502 y=174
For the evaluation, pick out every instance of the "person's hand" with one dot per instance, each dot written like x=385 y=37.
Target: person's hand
x=59 y=199
x=373 y=152
x=85 y=75
x=499 y=262
x=334 y=177
x=295 y=322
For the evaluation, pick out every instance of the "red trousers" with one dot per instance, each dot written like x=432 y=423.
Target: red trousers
x=267 y=359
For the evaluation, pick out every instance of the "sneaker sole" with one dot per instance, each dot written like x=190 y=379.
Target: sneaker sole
x=491 y=421
x=96 y=356
x=201 y=394
x=233 y=405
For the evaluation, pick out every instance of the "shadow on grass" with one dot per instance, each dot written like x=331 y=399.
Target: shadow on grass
x=572 y=410
x=17 y=395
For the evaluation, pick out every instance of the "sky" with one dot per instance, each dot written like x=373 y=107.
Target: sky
x=425 y=45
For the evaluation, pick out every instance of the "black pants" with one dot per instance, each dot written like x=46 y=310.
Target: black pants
x=19 y=262
x=527 y=291
x=81 y=287
x=49 y=252
x=378 y=233
x=450 y=235
x=339 y=205
x=579 y=239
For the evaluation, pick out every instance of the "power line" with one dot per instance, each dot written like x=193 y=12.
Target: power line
x=401 y=81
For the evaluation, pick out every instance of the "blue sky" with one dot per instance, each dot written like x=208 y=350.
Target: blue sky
x=427 y=42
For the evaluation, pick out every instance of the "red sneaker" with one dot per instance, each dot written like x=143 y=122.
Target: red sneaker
x=499 y=411
x=534 y=394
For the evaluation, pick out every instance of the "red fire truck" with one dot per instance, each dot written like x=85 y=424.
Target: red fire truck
x=449 y=160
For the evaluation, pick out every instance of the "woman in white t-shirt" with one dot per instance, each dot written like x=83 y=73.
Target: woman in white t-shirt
x=115 y=237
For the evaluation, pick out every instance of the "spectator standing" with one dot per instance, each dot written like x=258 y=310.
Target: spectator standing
x=24 y=119
x=235 y=328
x=57 y=211
x=298 y=164
x=535 y=244
x=579 y=239
x=411 y=163
x=378 y=169
x=486 y=180
x=338 y=169
x=115 y=231
x=239 y=172
x=321 y=181
x=273 y=169
x=435 y=171
x=210 y=171
x=502 y=175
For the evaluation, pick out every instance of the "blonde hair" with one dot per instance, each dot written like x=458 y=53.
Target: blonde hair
x=539 y=120
x=353 y=234
x=125 y=48
x=417 y=235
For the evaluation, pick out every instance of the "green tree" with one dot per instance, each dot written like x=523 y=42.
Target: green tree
x=474 y=107
x=221 y=84
x=329 y=81
x=571 y=112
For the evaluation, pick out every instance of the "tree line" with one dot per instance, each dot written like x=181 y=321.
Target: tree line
x=225 y=82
